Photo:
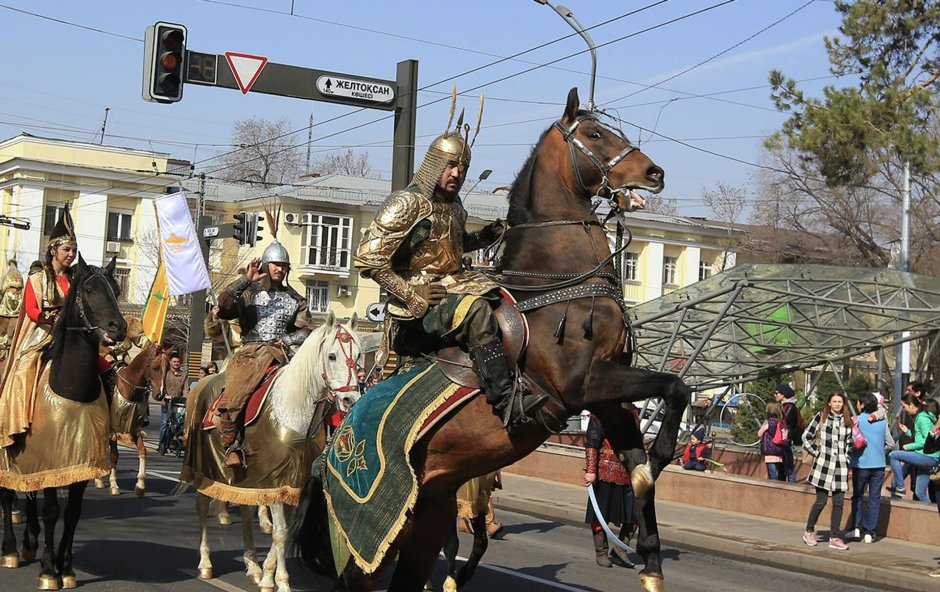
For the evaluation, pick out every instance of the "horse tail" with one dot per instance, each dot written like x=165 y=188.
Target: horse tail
x=309 y=532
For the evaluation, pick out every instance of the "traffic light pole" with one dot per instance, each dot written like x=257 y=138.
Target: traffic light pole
x=197 y=313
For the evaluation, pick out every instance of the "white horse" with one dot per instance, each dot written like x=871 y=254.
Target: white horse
x=282 y=443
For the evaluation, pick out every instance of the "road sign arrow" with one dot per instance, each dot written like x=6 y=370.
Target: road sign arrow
x=246 y=68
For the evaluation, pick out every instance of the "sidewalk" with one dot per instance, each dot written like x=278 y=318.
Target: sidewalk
x=887 y=562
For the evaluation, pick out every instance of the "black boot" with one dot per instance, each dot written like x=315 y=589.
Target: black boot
x=601 y=548
x=496 y=379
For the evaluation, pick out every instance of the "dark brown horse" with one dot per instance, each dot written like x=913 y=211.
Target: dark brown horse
x=577 y=352
x=72 y=409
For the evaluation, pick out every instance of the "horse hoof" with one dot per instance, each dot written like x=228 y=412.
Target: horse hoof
x=11 y=561
x=99 y=484
x=16 y=517
x=225 y=520
x=69 y=583
x=139 y=491
x=450 y=585
x=204 y=573
x=48 y=583
x=652 y=583
x=641 y=479
x=115 y=491
x=254 y=578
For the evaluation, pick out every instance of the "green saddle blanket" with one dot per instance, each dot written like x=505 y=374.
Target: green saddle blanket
x=369 y=483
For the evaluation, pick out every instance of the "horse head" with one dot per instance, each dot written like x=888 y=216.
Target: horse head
x=95 y=294
x=340 y=353
x=603 y=161
x=158 y=365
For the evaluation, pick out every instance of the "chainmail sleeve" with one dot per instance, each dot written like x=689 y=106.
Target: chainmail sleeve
x=303 y=323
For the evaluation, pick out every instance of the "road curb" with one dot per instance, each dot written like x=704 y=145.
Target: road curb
x=908 y=577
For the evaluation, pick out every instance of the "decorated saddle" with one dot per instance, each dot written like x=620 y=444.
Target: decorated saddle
x=369 y=483
x=252 y=407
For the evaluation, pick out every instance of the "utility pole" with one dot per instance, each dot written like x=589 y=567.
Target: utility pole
x=197 y=313
x=309 y=140
x=104 y=124
x=902 y=353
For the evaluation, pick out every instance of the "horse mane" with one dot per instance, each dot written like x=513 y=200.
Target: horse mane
x=305 y=368
x=520 y=193
x=59 y=329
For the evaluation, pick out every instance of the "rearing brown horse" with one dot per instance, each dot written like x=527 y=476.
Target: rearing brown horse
x=576 y=352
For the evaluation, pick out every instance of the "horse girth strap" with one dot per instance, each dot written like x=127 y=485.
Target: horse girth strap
x=573 y=293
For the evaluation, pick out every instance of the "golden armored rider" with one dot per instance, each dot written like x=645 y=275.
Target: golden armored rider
x=414 y=250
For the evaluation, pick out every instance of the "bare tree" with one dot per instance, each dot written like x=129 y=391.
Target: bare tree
x=667 y=206
x=344 y=163
x=268 y=153
x=727 y=203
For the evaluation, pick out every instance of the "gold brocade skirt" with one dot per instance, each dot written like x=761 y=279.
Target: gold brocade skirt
x=126 y=416
x=66 y=443
x=18 y=397
x=279 y=459
x=473 y=497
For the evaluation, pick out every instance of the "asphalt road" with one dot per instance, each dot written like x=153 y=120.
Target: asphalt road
x=130 y=544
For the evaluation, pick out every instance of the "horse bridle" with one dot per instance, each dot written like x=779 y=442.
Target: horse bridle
x=148 y=388
x=605 y=190
x=87 y=327
x=345 y=340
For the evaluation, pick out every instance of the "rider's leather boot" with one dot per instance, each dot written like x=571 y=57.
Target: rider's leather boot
x=228 y=431
x=496 y=379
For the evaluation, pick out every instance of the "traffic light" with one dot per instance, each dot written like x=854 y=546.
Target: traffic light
x=240 y=227
x=164 y=57
x=253 y=229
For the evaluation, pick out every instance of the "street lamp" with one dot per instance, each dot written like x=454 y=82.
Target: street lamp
x=565 y=13
x=483 y=176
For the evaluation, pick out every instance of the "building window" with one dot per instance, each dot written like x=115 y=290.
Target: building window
x=704 y=270
x=670 y=264
x=121 y=276
x=119 y=226
x=631 y=263
x=318 y=296
x=53 y=213
x=327 y=241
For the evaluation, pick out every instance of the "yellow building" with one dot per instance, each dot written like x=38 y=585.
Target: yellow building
x=110 y=189
x=322 y=218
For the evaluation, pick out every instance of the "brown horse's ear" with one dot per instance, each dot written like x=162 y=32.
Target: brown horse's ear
x=571 y=109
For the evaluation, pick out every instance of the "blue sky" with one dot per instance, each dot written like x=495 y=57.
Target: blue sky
x=62 y=76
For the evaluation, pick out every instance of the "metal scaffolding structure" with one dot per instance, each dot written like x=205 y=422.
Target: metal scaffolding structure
x=758 y=319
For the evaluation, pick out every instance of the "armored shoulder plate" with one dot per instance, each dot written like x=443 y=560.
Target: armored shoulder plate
x=401 y=210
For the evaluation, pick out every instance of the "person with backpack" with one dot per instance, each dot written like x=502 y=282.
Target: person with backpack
x=827 y=439
x=868 y=467
x=773 y=440
x=795 y=425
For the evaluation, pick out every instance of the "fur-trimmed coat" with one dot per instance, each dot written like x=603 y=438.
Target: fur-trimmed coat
x=830 y=450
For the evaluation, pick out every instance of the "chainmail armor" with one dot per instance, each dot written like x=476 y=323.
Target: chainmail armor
x=275 y=310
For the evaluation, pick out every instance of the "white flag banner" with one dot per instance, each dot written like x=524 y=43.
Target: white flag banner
x=185 y=268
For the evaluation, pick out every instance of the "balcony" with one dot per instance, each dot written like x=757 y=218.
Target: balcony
x=335 y=262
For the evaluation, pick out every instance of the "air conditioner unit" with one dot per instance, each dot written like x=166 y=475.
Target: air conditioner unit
x=291 y=218
x=113 y=247
x=343 y=291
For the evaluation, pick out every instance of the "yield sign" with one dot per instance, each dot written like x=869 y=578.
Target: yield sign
x=246 y=68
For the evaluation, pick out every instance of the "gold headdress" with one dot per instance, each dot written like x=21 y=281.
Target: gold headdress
x=63 y=232
x=450 y=147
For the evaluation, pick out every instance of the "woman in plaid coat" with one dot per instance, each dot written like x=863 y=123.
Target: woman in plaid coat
x=828 y=438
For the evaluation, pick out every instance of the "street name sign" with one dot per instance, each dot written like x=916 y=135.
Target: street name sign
x=352 y=88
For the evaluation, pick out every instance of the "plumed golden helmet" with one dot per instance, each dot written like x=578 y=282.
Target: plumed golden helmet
x=452 y=146
x=63 y=232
